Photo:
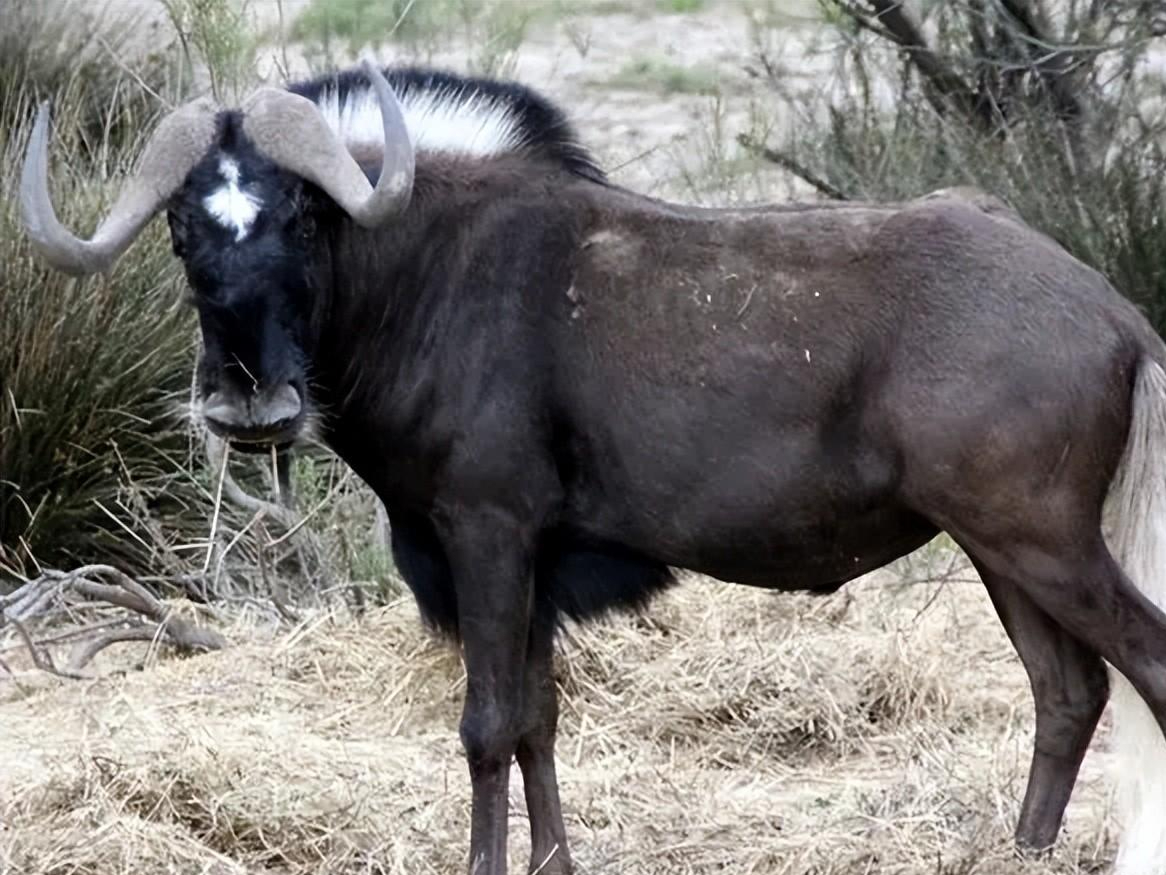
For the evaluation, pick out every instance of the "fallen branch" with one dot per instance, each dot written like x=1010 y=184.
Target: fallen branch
x=40 y=657
x=31 y=599
x=149 y=618
x=197 y=587
x=85 y=653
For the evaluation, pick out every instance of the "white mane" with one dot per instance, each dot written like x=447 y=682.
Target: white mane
x=452 y=120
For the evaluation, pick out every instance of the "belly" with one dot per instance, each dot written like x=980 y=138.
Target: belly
x=784 y=508
x=820 y=558
x=786 y=551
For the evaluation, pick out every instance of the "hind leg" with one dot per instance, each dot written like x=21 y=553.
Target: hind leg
x=1082 y=588
x=1070 y=687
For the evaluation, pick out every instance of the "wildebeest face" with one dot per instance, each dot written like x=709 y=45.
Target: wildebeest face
x=239 y=188
x=244 y=231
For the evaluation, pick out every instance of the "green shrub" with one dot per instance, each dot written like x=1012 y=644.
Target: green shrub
x=217 y=41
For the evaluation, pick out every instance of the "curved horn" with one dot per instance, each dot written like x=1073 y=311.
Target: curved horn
x=177 y=144
x=291 y=131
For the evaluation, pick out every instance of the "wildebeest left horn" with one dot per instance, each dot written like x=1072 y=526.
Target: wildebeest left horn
x=178 y=143
x=291 y=131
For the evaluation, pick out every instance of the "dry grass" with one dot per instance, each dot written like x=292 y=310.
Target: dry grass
x=883 y=729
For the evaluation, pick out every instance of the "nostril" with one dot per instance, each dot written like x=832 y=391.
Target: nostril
x=225 y=410
x=281 y=405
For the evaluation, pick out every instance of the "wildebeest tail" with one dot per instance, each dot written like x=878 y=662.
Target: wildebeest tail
x=1136 y=534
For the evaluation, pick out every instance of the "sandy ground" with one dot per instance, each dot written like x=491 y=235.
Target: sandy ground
x=883 y=729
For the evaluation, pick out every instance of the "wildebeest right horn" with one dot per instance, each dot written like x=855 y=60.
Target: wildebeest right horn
x=178 y=143
x=291 y=131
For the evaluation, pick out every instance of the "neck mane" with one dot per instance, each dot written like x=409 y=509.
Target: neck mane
x=452 y=115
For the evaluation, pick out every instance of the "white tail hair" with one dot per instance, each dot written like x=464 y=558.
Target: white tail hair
x=1136 y=534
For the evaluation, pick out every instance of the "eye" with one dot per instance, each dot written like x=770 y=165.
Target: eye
x=178 y=232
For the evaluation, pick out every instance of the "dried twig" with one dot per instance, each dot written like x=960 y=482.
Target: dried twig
x=40 y=657
x=792 y=165
x=85 y=653
x=948 y=88
x=285 y=611
x=106 y=585
x=217 y=451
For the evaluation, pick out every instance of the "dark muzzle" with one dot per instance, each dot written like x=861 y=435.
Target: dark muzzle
x=267 y=417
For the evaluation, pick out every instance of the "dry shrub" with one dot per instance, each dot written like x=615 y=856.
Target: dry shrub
x=91 y=57
x=882 y=729
x=1056 y=108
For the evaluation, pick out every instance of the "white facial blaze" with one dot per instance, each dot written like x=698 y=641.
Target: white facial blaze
x=442 y=120
x=230 y=205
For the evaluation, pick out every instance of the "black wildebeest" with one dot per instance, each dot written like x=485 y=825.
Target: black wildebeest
x=561 y=389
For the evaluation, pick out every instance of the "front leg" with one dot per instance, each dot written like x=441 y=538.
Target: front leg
x=536 y=753
x=491 y=557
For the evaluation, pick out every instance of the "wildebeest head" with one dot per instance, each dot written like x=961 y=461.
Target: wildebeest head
x=238 y=188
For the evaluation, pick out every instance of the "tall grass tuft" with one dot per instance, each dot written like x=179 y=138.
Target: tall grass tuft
x=91 y=370
x=92 y=57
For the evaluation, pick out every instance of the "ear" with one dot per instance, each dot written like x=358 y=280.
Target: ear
x=178 y=232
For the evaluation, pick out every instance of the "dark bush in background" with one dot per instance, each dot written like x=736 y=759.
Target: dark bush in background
x=1056 y=108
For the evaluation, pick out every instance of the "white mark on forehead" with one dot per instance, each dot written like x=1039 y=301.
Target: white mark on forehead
x=230 y=205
